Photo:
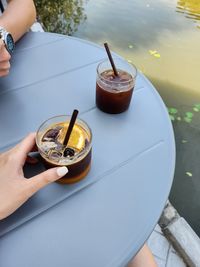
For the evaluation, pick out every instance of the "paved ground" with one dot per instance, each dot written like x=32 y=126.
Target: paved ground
x=163 y=251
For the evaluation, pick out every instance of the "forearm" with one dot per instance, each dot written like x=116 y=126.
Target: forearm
x=18 y=17
x=144 y=258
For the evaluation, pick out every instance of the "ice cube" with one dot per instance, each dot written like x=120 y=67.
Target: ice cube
x=52 y=134
x=55 y=154
x=46 y=146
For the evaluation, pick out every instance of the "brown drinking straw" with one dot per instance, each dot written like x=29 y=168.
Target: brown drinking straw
x=70 y=128
x=111 y=59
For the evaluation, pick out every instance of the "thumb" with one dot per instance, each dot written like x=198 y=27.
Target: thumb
x=39 y=181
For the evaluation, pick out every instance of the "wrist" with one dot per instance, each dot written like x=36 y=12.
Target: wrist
x=7 y=39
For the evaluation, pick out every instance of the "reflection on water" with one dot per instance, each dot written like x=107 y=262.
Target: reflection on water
x=61 y=16
x=165 y=46
x=191 y=9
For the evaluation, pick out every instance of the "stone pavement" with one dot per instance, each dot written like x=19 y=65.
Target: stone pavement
x=163 y=251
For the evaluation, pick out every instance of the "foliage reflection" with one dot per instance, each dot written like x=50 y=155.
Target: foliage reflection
x=61 y=16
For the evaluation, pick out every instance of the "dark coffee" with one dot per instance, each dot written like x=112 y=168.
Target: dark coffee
x=76 y=155
x=76 y=171
x=113 y=93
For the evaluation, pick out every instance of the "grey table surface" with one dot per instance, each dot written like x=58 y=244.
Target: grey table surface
x=106 y=218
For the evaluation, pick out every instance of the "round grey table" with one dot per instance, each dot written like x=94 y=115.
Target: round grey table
x=107 y=217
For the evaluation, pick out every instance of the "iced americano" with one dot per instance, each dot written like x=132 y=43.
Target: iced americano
x=76 y=155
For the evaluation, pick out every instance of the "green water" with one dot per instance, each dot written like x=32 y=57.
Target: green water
x=162 y=38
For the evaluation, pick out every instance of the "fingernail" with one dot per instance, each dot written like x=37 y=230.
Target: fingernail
x=61 y=171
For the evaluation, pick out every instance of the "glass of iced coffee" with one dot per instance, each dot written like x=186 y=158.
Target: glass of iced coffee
x=114 y=92
x=76 y=155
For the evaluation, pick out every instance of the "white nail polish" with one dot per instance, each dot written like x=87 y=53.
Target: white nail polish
x=61 y=171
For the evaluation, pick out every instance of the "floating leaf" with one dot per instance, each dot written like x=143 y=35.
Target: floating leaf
x=172 y=110
x=157 y=55
x=152 y=52
x=189 y=174
x=197 y=106
x=189 y=114
x=187 y=119
x=196 y=109
x=130 y=46
x=184 y=141
x=172 y=118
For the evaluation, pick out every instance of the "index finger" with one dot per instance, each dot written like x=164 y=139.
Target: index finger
x=24 y=147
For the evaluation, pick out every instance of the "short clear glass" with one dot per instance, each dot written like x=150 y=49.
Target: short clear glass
x=113 y=93
x=76 y=156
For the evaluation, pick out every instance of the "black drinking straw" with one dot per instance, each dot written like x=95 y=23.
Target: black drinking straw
x=111 y=59
x=70 y=128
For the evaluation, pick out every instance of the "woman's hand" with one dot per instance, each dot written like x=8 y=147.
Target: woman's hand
x=15 y=189
x=4 y=60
